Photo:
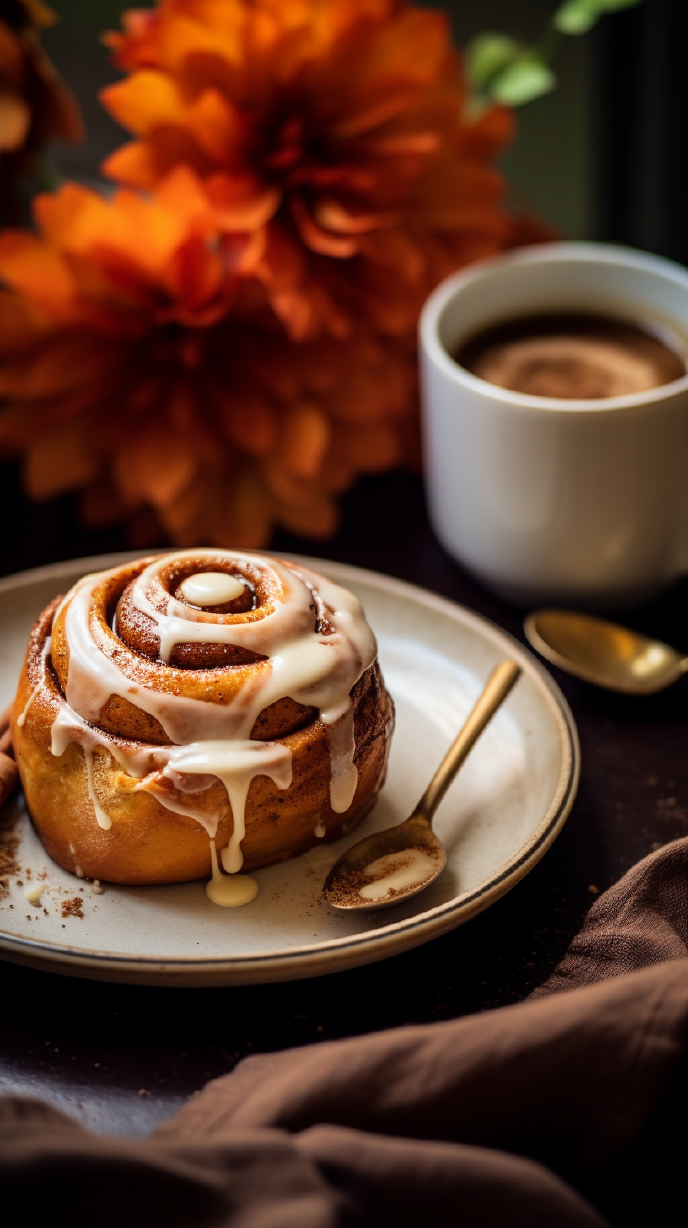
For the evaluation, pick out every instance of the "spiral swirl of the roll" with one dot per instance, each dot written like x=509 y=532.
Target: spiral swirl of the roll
x=127 y=631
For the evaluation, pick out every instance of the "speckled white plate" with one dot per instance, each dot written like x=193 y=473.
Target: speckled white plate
x=500 y=816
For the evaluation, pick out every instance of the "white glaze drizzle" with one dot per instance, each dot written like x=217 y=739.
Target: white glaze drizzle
x=235 y=764
x=209 y=739
x=208 y=588
x=300 y=669
x=135 y=758
x=394 y=871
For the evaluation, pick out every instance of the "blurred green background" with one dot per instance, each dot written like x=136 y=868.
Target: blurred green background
x=549 y=166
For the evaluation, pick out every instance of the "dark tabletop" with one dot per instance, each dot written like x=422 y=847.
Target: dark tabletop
x=123 y=1058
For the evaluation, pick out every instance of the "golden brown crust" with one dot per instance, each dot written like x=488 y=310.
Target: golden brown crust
x=147 y=842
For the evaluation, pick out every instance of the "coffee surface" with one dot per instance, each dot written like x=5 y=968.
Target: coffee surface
x=573 y=356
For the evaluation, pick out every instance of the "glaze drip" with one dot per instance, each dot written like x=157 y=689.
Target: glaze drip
x=235 y=764
x=229 y=892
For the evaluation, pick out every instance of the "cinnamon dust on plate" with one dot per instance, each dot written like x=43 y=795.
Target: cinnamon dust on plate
x=73 y=907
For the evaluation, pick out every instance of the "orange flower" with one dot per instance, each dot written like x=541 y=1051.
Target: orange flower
x=35 y=105
x=337 y=126
x=140 y=362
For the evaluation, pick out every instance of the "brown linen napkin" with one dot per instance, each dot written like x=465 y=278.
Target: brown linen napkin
x=640 y=921
x=527 y=1115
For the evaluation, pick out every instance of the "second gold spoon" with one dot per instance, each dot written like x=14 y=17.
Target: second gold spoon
x=604 y=653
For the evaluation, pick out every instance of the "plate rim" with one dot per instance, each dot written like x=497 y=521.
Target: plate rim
x=349 y=951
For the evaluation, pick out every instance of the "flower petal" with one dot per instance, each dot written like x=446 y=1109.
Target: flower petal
x=304 y=439
x=29 y=265
x=315 y=237
x=242 y=201
x=144 y=101
x=216 y=125
x=133 y=163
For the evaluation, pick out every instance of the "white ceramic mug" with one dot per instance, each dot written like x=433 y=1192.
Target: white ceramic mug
x=547 y=499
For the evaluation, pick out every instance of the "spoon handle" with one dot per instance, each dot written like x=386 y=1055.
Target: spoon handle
x=496 y=690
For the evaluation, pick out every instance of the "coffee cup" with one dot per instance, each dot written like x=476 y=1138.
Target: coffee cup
x=558 y=498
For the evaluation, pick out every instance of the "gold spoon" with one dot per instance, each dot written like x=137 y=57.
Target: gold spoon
x=604 y=653
x=392 y=865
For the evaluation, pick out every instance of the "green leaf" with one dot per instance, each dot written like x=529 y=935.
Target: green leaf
x=579 y=16
x=521 y=82
x=488 y=54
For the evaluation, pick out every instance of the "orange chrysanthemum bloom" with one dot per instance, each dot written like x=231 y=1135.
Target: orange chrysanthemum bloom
x=140 y=363
x=337 y=126
x=35 y=105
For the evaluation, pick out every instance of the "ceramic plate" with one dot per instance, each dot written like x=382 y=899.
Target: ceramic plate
x=501 y=814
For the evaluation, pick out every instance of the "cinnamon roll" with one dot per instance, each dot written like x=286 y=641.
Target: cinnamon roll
x=199 y=701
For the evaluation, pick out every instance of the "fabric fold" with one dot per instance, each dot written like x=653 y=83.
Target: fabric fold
x=640 y=921
x=257 y=1180
x=407 y=1182
x=522 y=1078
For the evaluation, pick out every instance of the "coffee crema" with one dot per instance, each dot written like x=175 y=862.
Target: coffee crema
x=574 y=356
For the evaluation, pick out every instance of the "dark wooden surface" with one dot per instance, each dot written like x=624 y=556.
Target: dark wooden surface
x=123 y=1058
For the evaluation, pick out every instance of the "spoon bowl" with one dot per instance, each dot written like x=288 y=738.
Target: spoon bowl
x=406 y=858
x=392 y=865
x=604 y=653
